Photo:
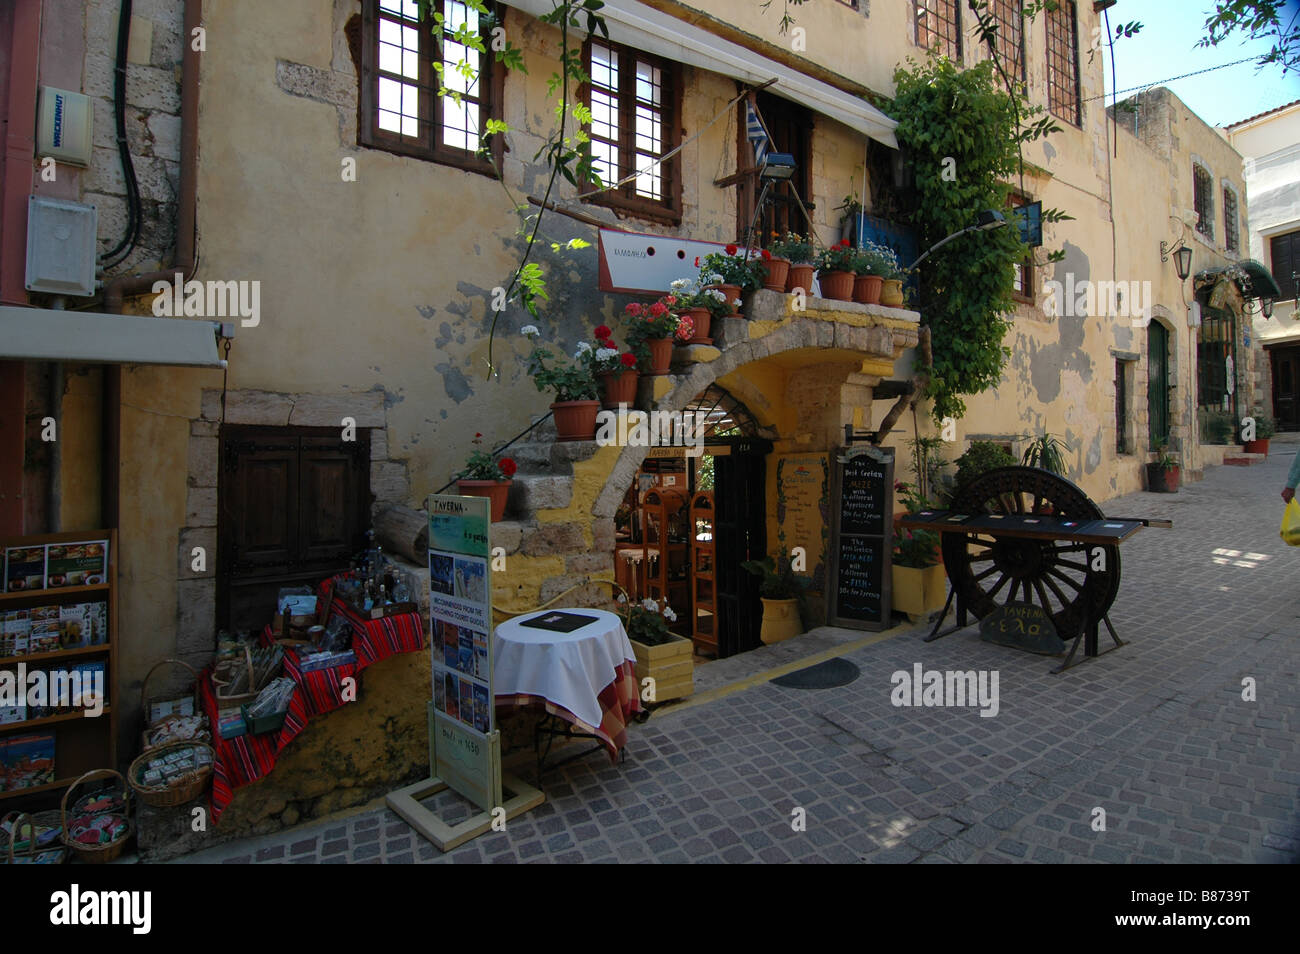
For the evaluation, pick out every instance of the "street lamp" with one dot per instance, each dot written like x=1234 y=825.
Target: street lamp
x=1183 y=263
x=986 y=221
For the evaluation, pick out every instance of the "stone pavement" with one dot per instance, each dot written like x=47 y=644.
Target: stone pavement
x=1157 y=735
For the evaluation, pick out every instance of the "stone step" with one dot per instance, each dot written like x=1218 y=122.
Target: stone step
x=550 y=457
x=1243 y=459
x=532 y=492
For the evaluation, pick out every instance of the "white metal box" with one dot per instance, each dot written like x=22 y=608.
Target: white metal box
x=60 y=246
x=64 y=122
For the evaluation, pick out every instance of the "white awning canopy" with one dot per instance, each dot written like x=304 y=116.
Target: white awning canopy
x=653 y=31
x=40 y=334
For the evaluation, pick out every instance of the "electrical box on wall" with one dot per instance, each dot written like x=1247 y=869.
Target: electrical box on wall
x=60 y=246
x=63 y=126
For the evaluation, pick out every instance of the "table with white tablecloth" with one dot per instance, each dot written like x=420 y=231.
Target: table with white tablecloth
x=585 y=677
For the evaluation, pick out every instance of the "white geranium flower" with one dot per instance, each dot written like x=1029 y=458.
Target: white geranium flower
x=713 y=278
x=670 y=615
x=583 y=348
x=529 y=331
x=605 y=354
x=736 y=302
x=678 y=284
x=650 y=605
x=716 y=295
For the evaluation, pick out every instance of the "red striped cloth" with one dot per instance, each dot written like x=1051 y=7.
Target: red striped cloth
x=247 y=758
x=619 y=701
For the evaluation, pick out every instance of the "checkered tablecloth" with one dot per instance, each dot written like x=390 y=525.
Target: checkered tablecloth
x=586 y=677
x=248 y=758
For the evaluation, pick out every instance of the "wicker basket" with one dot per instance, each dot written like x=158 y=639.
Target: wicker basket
x=184 y=789
x=33 y=855
x=205 y=733
x=97 y=854
x=227 y=699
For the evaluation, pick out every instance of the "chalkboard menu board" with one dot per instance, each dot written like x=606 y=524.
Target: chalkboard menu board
x=862 y=538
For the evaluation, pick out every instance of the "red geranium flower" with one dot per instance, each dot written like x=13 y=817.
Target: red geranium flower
x=602 y=332
x=670 y=299
x=629 y=360
x=658 y=308
x=767 y=256
x=633 y=309
x=844 y=243
x=508 y=466
x=478 y=435
x=731 y=250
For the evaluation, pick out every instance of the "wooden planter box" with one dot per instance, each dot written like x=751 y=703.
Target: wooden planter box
x=919 y=591
x=671 y=666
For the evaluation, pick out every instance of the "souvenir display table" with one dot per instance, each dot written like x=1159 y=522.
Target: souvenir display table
x=247 y=758
x=584 y=677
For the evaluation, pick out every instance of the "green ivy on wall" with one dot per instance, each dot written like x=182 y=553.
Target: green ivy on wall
x=961 y=133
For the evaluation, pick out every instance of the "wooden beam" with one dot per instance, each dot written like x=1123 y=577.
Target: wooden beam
x=577 y=216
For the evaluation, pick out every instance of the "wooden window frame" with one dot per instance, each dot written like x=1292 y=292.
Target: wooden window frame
x=429 y=146
x=1064 y=97
x=1203 y=201
x=665 y=211
x=1290 y=288
x=950 y=46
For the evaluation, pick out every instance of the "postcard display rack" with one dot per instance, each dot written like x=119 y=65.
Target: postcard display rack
x=58 y=639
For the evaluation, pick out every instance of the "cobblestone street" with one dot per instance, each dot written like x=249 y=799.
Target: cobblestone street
x=1156 y=734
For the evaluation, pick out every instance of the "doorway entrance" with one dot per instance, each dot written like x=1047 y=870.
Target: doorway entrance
x=1158 y=384
x=292 y=508
x=688 y=522
x=1286 y=387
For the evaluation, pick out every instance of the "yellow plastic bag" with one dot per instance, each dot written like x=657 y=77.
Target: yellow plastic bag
x=1291 y=524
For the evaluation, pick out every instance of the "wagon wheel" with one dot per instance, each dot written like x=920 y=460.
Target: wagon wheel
x=1066 y=579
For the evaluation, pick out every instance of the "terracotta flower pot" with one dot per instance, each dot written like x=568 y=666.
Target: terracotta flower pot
x=837 y=285
x=703 y=318
x=495 y=490
x=1257 y=446
x=575 y=420
x=778 y=269
x=800 y=276
x=1163 y=480
x=733 y=295
x=619 y=387
x=866 y=289
x=891 y=293
x=661 y=354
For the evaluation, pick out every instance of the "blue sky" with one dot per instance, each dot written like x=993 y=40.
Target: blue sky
x=1165 y=47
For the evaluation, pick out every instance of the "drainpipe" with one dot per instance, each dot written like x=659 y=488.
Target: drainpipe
x=183 y=260
x=54 y=485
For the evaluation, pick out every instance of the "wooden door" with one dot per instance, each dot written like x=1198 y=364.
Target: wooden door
x=1286 y=388
x=740 y=534
x=1157 y=384
x=293 y=506
x=791 y=129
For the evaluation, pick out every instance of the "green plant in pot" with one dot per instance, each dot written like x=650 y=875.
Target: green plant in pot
x=799 y=252
x=781 y=593
x=981 y=457
x=662 y=657
x=485 y=476
x=1163 y=473
x=574 y=385
x=835 y=271
x=1265 y=428
x=734 y=268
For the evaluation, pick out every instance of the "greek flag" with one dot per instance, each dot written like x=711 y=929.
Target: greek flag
x=757 y=137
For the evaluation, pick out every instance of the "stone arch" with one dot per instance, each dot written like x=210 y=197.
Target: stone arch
x=843 y=344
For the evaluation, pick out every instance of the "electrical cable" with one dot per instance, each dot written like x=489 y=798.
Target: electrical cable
x=131 y=236
x=1145 y=86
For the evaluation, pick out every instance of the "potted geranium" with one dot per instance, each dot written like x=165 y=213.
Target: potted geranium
x=663 y=657
x=779 y=593
x=835 y=271
x=574 y=385
x=651 y=333
x=699 y=306
x=798 y=251
x=777 y=269
x=868 y=272
x=1163 y=473
x=616 y=373
x=733 y=274
x=485 y=476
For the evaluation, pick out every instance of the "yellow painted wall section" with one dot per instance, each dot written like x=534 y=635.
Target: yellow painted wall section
x=81 y=448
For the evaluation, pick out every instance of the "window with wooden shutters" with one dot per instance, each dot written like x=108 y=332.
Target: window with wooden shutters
x=1203 y=200
x=1022 y=287
x=938 y=27
x=1010 y=37
x=401 y=110
x=1284 y=254
x=1231 y=239
x=634 y=100
x=1063 y=62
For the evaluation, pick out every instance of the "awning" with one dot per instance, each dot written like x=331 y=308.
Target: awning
x=41 y=334
x=653 y=31
x=1258 y=281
